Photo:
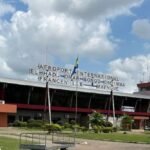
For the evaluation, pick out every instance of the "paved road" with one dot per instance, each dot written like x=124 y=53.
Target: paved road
x=100 y=145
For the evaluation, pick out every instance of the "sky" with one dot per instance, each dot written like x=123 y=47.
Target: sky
x=109 y=36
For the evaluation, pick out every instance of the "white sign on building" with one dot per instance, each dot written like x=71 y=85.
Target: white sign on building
x=62 y=76
x=127 y=109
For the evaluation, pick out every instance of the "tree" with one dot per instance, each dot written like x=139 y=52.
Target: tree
x=96 y=119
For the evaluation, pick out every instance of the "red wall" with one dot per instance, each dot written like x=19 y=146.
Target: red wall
x=8 y=108
x=4 y=110
x=3 y=120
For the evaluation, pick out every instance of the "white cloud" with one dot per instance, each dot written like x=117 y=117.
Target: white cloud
x=62 y=28
x=2 y=42
x=141 y=28
x=5 y=8
x=5 y=70
x=98 y=42
x=84 y=9
x=131 y=70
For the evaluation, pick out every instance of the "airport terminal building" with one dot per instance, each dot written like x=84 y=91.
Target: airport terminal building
x=29 y=97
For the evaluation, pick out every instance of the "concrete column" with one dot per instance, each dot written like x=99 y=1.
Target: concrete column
x=71 y=100
x=29 y=94
x=90 y=102
x=148 y=109
x=106 y=103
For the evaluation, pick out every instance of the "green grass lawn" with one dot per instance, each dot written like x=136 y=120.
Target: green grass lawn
x=130 y=137
x=9 y=143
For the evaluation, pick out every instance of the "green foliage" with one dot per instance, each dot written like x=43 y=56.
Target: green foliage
x=67 y=125
x=23 y=124
x=99 y=124
x=18 y=123
x=53 y=127
x=115 y=129
x=107 y=129
x=76 y=127
x=126 y=122
x=107 y=124
x=96 y=119
x=97 y=129
x=35 y=123
x=84 y=129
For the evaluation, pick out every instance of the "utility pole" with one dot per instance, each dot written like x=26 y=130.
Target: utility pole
x=113 y=102
x=47 y=98
x=49 y=106
x=41 y=71
x=76 y=103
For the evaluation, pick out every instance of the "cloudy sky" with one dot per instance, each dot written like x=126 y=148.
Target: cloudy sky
x=109 y=36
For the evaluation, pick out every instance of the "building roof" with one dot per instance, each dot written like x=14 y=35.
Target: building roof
x=71 y=88
x=143 y=85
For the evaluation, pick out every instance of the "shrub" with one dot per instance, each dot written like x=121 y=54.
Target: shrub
x=23 y=124
x=126 y=123
x=53 y=127
x=96 y=119
x=18 y=123
x=107 y=129
x=67 y=125
x=84 y=129
x=76 y=127
x=115 y=129
x=35 y=123
x=107 y=124
x=97 y=129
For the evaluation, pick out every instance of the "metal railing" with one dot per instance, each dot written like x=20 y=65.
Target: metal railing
x=33 y=141
x=43 y=141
